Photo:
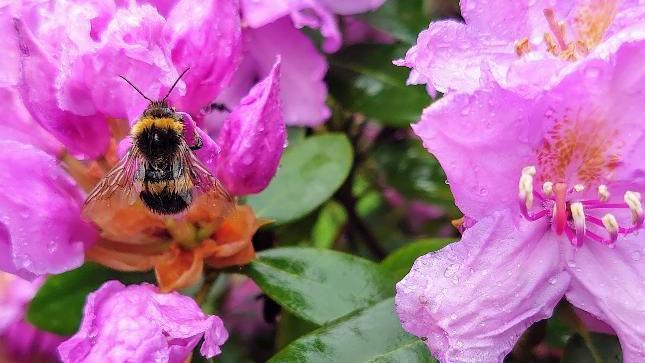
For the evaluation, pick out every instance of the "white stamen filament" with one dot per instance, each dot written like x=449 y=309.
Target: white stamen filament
x=578 y=188
x=633 y=200
x=526 y=186
x=547 y=188
x=603 y=193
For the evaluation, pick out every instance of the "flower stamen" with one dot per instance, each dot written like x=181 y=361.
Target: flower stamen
x=579 y=220
x=633 y=200
x=570 y=217
x=603 y=193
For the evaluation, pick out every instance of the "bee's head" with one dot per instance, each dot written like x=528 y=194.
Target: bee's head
x=159 y=109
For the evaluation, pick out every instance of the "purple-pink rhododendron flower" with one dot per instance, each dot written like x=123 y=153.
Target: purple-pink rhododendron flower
x=60 y=81
x=136 y=323
x=272 y=28
x=552 y=184
x=19 y=340
x=523 y=44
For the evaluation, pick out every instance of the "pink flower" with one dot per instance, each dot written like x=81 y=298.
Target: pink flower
x=520 y=42
x=576 y=149
x=316 y=14
x=273 y=30
x=19 y=339
x=60 y=81
x=138 y=324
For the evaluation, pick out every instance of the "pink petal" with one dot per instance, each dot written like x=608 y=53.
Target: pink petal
x=252 y=139
x=609 y=284
x=85 y=135
x=302 y=88
x=473 y=299
x=482 y=142
x=132 y=46
x=40 y=211
x=137 y=323
x=205 y=36
x=22 y=127
x=344 y=7
x=449 y=55
x=313 y=14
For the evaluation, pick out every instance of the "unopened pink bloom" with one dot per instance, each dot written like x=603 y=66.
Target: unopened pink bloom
x=573 y=156
x=19 y=339
x=519 y=42
x=254 y=136
x=138 y=324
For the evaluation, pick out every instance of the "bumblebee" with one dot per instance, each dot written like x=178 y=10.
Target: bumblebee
x=160 y=167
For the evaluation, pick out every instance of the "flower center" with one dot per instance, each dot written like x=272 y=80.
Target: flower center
x=569 y=213
x=589 y=24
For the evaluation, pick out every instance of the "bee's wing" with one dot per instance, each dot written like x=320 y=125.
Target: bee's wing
x=204 y=183
x=118 y=184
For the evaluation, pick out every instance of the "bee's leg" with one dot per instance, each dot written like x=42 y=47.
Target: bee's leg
x=198 y=143
x=216 y=106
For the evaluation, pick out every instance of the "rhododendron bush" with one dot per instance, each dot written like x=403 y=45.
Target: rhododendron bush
x=322 y=181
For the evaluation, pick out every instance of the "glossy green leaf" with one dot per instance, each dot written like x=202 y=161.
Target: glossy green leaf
x=310 y=172
x=330 y=222
x=402 y=19
x=370 y=335
x=319 y=285
x=400 y=261
x=58 y=305
x=413 y=172
x=363 y=79
x=597 y=348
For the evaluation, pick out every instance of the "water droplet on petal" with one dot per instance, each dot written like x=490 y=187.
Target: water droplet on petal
x=636 y=256
x=553 y=280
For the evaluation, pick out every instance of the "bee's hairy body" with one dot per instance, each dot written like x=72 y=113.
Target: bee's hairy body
x=165 y=186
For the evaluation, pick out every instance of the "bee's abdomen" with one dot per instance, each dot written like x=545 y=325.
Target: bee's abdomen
x=166 y=201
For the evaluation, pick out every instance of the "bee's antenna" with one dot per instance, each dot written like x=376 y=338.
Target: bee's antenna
x=135 y=87
x=174 y=84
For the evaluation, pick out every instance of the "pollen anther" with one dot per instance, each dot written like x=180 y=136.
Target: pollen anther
x=547 y=188
x=603 y=193
x=579 y=188
x=633 y=200
x=578 y=215
x=526 y=186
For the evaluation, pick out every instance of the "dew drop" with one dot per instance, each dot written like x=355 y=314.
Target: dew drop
x=451 y=270
x=553 y=280
x=52 y=246
x=636 y=256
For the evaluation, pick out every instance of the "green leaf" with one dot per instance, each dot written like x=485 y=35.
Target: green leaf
x=403 y=19
x=319 y=285
x=310 y=172
x=413 y=172
x=370 y=335
x=58 y=305
x=599 y=348
x=400 y=261
x=291 y=328
x=329 y=224
x=363 y=79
